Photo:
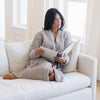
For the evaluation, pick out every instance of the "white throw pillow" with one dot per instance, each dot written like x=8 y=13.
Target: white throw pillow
x=72 y=65
x=3 y=61
x=18 y=54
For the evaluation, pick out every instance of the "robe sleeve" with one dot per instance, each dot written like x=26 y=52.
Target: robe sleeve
x=35 y=44
x=67 y=42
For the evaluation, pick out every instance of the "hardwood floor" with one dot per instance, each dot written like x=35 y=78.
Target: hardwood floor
x=98 y=91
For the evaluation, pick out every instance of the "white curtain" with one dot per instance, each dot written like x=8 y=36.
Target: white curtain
x=34 y=17
x=2 y=20
x=92 y=47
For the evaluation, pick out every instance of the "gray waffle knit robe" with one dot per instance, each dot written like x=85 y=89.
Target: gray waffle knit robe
x=38 y=67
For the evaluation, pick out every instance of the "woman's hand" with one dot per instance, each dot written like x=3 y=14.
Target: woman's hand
x=61 y=59
x=39 y=51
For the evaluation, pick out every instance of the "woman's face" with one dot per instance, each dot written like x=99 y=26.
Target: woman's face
x=57 y=22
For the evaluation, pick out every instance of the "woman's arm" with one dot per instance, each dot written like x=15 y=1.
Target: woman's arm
x=35 y=44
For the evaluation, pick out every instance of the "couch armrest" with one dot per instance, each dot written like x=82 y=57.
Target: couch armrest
x=88 y=66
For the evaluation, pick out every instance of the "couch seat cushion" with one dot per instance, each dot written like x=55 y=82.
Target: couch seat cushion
x=25 y=89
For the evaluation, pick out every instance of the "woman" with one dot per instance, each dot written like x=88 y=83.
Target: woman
x=52 y=37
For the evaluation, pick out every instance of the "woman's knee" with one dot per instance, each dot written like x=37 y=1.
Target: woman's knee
x=50 y=70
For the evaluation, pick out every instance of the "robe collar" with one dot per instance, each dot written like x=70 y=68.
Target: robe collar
x=57 y=39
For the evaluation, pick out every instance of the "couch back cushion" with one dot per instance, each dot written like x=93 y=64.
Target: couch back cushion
x=72 y=65
x=3 y=60
x=18 y=54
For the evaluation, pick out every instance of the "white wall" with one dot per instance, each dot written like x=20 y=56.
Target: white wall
x=2 y=19
x=12 y=34
x=35 y=17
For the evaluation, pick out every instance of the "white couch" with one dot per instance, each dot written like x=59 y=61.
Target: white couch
x=80 y=85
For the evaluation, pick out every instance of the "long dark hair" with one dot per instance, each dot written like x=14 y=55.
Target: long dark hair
x=50 y=17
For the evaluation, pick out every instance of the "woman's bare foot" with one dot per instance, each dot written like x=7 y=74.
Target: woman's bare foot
x=52 y=77
x=9 y=76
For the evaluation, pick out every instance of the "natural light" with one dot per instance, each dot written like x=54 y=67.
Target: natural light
x=23 y=11
x=19 y=13
x=74 y=12
x=76 y=17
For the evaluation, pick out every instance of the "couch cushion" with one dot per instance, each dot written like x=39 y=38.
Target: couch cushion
x=3 y=60
x=25 y=89
x=18 y=54
x=72 y=65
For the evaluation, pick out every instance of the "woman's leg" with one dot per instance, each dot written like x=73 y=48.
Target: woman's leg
x=51 y=75
x=11 y=76
x=40 y=72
